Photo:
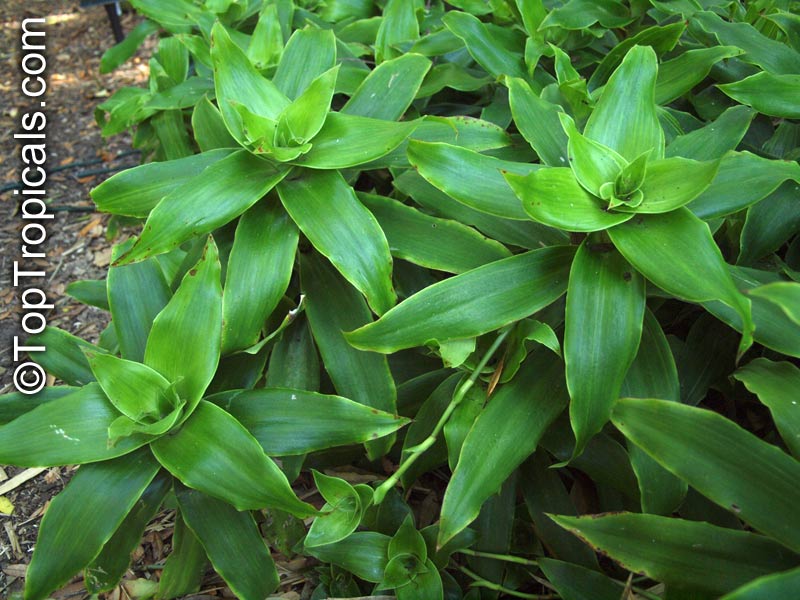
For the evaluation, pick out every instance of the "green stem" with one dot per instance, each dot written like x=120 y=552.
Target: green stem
x=416 y=451
x=479 y=581
x=503 y=557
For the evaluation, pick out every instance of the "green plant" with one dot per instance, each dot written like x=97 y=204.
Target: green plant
x=588 y=212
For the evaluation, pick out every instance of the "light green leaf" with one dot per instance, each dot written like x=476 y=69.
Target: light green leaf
x=752 y=478
x=212 y=452
x=194 y=209
x=537 y=121
x=134 y=389
x=554 y=197
x=304 y=117
x=497 y=53
x=327 y=211
x=504 y=434
x=62 y=355
x=592 y=163
x=715 y=139
x=341 y=514
x=191 y=323
x=783 y=294
x=688 y=553
x=602 y=330
x=80 y=520
x=289 y=421
x=259 y=268
x=625 y=117
x=774 y=95
x=776 y=385
x=673 y=182
x=399 y=24
x=471 y=304
x=431 y=242
x=389 y=89
x=681 y=74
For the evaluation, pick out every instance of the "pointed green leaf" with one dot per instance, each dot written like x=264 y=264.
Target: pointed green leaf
x=184 y=343
x=776 y=385
x=783 y=294
x=674 y=182
x=715 y=139
x=16 y=404
x=135 y=192
x=537 y=121
x=186 y=565
x=778 y=585
x=212 y=452
x=266 y=44
x=240 y=556
x=687 y=262
x=431 y=242
x=288 y=421
x=473 y=303
x=304 y=117
x=681 y=74
x=574 y=582
x=349 y=141
x=334 y=306
x=134 y=389
x=770 y=223
x=236 y=79
x=471 y=178
x=399 y=24
x=341 y=514
x=625 y=117
x=194 y=208
x=687 y=553
x=327 y=211
x=81 y=520
x=363 y=554
x=499 y=54
x=69 y=430
x=259 y=268
x=752 y=478
x=108 y=568
x=504 y=434
x=602 y=330
x=62 y=355
x=592 y=163
x=554 y=197
x=389 y=89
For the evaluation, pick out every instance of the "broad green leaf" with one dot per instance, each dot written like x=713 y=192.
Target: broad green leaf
x=431 y=242
x=363 y=554
x=62 y=355
x=136 y=294
x=240 y=556
x=581 y=14
x=304 y=117
x=293 y=362
x=340 y=515
x=236 y=79
x=427 y=584
x=16 y=404
x=185 y=566
x=602 y=330
x=574 y=582
x=89 y=291
x=537 y=121
x=592 y=163
x=194 y=208
x=687 y=264
x=473 y=303
x=108 y=568
x=752 y=478
x=783 y=294
x=743 y=179
x=771 y=55
x=715 y=139
x=653 y=374
x=774 y=95
x=625 y=117
x=327 y=211
x=69 y=430
x=259 y=268
x=334 y=306
x=389 y=89
x=674 y=182
x=451 y=75
x=767 y=587
x=504 y=434
x=212 y=452
x=698 y=555
x=134 y=389
x=171 y=132
x=81 y=520
x=681 y=74
x=349 y=141
x=135 y=192
x=308 y=53
x=554 y=197
x=292 y=421
x=776 y=385
x=770 y=223
x=461 y=421
x=192 y=323
x=266 y=44
x=399 y=24
x=471 y=178
x=184 y=95
x=122 y=51
x=497 y=53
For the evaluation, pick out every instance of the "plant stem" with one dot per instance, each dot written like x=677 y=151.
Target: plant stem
x=503 y=557
x=479 y=581
x=416 y=451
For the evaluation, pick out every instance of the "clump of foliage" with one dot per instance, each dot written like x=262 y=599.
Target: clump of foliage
x=545 y=252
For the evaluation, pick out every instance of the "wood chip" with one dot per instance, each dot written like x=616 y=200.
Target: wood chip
x=12 y=538
x=19 y=479
x=18 y=570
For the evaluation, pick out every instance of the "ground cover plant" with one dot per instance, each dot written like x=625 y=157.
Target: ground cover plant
x=537 y=258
